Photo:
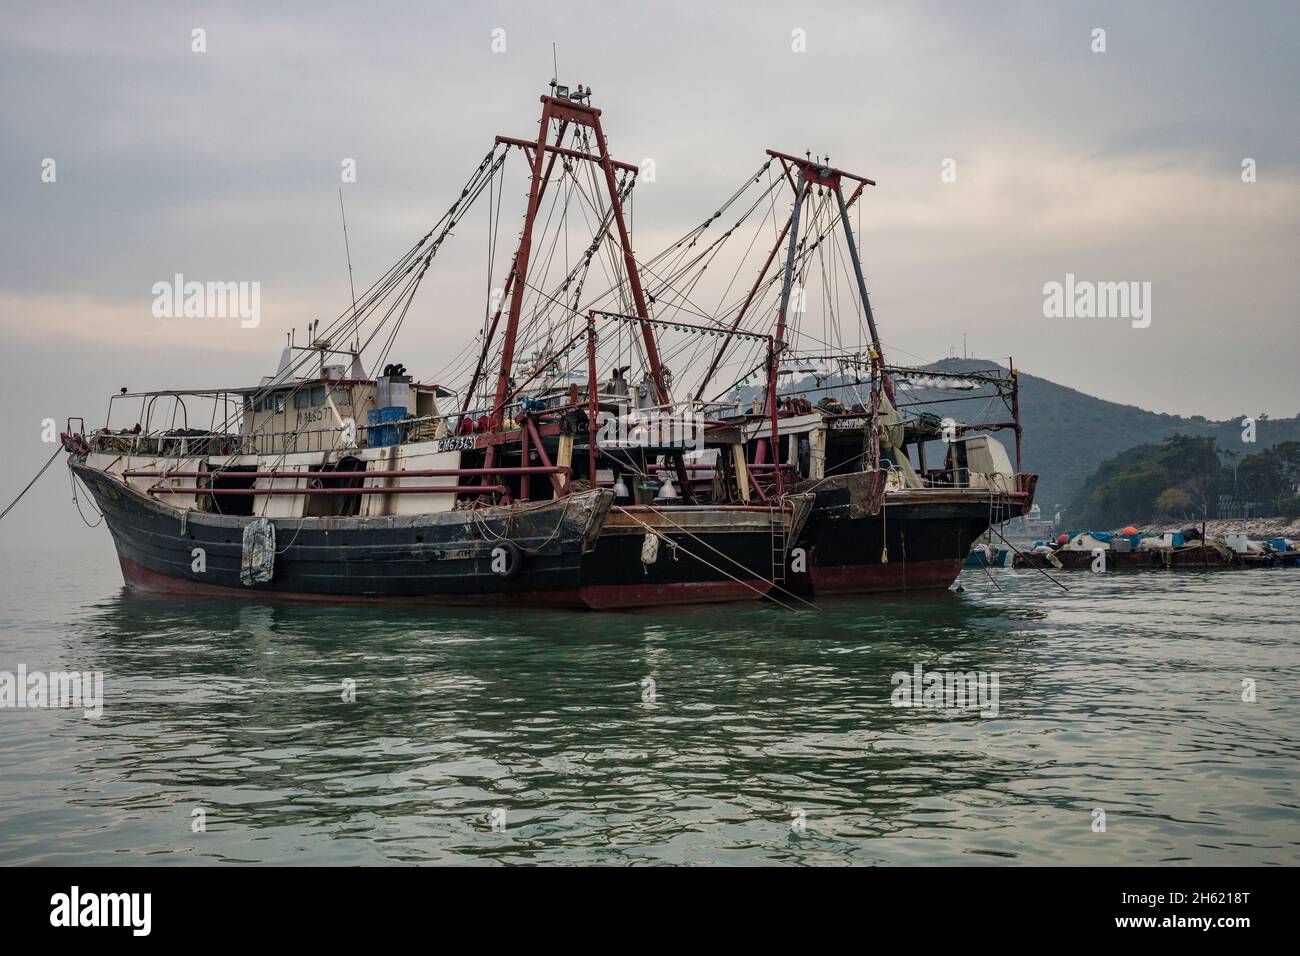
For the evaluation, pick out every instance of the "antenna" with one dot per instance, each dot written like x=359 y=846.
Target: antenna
x=356 y=331
x=555 y=65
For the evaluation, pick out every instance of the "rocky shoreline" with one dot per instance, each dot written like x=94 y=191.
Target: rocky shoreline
x=1259 y=529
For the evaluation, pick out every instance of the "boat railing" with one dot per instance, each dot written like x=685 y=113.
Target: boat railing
x=198 y=443
x=946 y=478
x=1019 y=484
x=690 y=407
x=163 y=444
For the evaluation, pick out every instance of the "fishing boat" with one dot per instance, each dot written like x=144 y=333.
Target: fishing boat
x=314 y=513
x=884 y=518
x=560 y=480
x=911 y=526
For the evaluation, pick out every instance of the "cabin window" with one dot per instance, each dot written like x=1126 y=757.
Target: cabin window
x=318 y=395
x=279 y=402
x=343 y=396
x=301 y=399
x=248 y=403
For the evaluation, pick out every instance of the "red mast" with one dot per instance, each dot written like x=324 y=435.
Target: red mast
x=571 y=111
x=814 y=173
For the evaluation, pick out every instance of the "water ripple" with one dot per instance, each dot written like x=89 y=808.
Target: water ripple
x=728 y=735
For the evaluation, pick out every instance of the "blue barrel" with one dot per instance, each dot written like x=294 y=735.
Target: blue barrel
x=382 y=425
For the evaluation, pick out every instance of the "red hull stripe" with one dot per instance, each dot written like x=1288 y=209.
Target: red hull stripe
x=144 y=579
x=895 y=576
x=598 y=597
x=607 y=596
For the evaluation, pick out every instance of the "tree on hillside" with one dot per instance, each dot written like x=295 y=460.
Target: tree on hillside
x=1184 y=472
x=1174 y=503
x=1269 y=475
x=1183 y=478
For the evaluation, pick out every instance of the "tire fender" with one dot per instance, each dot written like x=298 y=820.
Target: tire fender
x=506 y=559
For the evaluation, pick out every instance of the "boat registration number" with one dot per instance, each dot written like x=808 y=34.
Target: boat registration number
x=455 y=443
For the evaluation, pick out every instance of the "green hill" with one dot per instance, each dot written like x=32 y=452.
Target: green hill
x=1185 y=479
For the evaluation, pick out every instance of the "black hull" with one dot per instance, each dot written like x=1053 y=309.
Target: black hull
x=443 y=558
x=576 y=552
x=924 y=534
x=705 y=554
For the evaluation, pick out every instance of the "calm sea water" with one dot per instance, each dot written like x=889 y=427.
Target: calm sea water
x=1124 y=695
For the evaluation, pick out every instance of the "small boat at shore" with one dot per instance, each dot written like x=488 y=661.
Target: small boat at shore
x=1130 y=550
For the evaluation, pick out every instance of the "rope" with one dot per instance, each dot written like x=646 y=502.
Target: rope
x=708 y=564
x=515 y=509
x=1034 y=566
x=72 y=480
x=884 y=525
x=32 y=482
x=991 y=576
x=689 y=534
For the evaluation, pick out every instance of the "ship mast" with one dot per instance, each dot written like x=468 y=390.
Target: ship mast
x=812 y=174
x=805 y=175
x=570 y=110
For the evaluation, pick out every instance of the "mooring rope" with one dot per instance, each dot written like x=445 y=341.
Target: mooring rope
x=1027 y=562
x=487 y=532
x=727 y=557
x=709 y=564
x=74 y=481
x=32 y=482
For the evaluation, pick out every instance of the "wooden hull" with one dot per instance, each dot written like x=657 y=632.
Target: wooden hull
x=916 y=539
x=704 y=554
x=444 y=558
x=575 y=552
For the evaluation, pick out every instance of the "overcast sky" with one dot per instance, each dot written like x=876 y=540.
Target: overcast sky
x=1123 y=165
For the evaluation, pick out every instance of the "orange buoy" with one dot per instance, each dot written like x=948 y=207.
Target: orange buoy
x=1130 y=530
x=1062 y=538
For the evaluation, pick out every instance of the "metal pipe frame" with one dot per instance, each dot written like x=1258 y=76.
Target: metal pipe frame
x=414 y=473
x=254 y=492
